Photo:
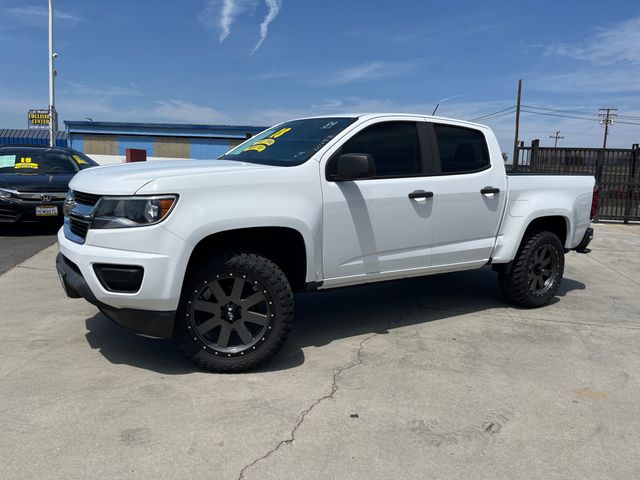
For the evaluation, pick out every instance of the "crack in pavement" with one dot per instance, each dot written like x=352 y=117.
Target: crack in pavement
x=334 y=388
x=35 y=268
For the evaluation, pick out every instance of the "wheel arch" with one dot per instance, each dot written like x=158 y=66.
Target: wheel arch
x=557 y=224
x=517 y=230
x=285 y=246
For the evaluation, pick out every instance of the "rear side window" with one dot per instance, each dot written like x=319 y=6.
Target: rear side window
x=393 y=145
x=462 y=150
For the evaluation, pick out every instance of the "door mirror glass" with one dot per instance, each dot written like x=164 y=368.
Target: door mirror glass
x=354 y=166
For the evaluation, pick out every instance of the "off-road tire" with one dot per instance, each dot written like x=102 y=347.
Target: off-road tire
x=516 y=280
x=215 y=275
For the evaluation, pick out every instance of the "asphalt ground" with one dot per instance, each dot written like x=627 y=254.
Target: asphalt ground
x=19 y=242
x=423 y=378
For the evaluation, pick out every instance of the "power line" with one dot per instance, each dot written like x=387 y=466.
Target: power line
x=586 y=114
x=562 y=116
x=594 y=117
x=573 y=112
x=493 y=113
x=498 y=115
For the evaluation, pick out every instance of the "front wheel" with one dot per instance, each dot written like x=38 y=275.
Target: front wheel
x=235 y=312
x=534 y=276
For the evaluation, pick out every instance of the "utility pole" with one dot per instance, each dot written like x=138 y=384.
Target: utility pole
x=556 y=136
x=606 y=118
x=515 y=141
x=53 y=116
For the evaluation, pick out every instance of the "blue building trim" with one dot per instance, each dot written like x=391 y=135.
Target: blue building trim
x=132 y=141
x=162 y=129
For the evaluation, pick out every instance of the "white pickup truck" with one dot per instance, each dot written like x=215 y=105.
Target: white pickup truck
x=210 y=252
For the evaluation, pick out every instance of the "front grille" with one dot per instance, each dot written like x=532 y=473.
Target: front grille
x=86 y=198
x=78 y=227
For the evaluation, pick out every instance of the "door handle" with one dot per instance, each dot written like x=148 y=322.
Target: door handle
x=489 y=190
x=420 y=194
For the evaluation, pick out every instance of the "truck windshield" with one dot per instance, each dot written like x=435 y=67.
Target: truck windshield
x=290 y=143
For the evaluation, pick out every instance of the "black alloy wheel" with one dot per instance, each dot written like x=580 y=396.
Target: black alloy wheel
x=532 y=279
x=543 y=267
x=231 y=314
x=235 y=312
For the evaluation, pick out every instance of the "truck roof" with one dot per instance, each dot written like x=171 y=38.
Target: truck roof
x=370 y=115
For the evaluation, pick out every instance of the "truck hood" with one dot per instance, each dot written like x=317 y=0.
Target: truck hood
x=128 y=178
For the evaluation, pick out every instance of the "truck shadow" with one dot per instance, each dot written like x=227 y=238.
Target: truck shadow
x=325 y=316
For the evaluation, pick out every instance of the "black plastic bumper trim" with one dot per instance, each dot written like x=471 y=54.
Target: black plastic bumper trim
x=586 y=240
x=152 y=323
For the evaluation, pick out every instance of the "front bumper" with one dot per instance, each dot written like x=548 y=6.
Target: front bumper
x=161 y=255
x=147 y=322
x=15 y=210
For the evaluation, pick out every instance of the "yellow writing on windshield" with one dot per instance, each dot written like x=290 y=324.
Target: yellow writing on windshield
x=261 y=145
x=25 y=162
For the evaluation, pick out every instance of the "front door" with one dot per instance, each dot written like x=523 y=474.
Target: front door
x=386 y=223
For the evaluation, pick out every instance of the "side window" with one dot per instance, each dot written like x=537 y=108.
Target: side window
x=461 y=149
x=394 y=146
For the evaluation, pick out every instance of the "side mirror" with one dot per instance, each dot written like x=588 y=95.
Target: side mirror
x=354 y=166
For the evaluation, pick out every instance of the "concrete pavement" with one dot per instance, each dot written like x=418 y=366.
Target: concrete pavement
x=19 y=242
x=424 y=378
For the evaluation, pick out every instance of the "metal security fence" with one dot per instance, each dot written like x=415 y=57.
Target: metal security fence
x=617 y=173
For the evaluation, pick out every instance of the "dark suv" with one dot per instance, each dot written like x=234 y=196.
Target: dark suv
x=34 y=181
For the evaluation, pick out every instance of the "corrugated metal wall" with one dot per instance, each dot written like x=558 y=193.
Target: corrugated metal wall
x=13 y=136
x=162 y=147
x=101 y=144
x=209 y=148
x=173 y=147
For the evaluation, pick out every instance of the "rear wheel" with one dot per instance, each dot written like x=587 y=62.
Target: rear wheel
x=235 y=312
x=534 y=276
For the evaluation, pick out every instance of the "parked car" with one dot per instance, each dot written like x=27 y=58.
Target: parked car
x=34 y=181
x=210 y=252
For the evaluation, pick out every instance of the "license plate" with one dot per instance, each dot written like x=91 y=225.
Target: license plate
x=46 y=211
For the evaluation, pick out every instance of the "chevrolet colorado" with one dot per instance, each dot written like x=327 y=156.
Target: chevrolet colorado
x=210 y=252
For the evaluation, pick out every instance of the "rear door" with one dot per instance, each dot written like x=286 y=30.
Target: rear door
x=471 y=195
x=383 y=224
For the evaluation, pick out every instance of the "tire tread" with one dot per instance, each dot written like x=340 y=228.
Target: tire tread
x=270 y=273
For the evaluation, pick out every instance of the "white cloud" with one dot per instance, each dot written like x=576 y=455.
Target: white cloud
x=607 y=61
x=366 y=72
x=105 y=91
x=274 y=7
x=222 y=14
x=616 y=43
x=180 y=111
x=37 y=15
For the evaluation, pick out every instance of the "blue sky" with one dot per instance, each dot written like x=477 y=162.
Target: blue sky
x=263 y=61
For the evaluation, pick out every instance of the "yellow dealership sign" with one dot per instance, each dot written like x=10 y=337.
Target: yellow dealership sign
x=38 y=119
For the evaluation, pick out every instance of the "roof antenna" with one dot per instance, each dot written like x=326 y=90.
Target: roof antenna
x=435 y=110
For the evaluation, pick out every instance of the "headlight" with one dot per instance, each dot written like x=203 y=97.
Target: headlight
x=125 y=212
x=5 y=193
